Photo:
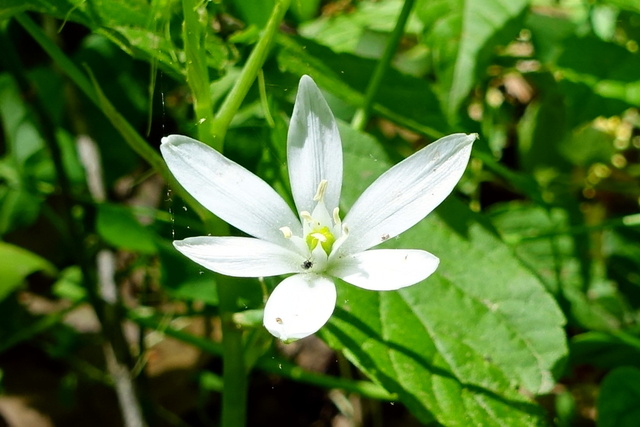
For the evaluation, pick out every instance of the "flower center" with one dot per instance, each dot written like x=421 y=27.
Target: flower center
x=318 y=227
x=323 y=236
x=322 y=233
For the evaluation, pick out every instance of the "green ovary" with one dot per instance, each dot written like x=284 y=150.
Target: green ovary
x=323 y=236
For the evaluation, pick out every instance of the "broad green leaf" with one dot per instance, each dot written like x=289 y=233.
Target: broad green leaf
x=305 y=10
x=18 y=207
x=588 y=145
x=631 y=5
x=69 y=285
x=550 y=255
x=253 y=12
x=603 y=87
x=16 y=264
x=543 y=240
x=548 y=33
x=345 y=32
x=458 y=345
x=463 y=35
x=22 y=136
x=623 y=256
x=9 y=8
x=619 y=398
x=541 y=131
x=184 y=279
x=403 y=99
x=117 y=226
x=603 y=350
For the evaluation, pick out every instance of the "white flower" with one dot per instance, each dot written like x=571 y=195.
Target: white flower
x=314 y=244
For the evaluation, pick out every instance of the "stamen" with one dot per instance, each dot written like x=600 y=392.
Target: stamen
x=286 y=231
x=319 y=236
x=336 y=215
x=322 y=187
x=306 y=216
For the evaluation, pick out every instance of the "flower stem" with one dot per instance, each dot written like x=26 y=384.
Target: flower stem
x=248 y=74
x=362 y=115
x=234 y=372
x=195 y=18
x=212 y=131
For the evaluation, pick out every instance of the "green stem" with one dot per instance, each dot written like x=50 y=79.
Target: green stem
x=234 y=373
x=249 y=72
x=362 y=115
x=195 y=18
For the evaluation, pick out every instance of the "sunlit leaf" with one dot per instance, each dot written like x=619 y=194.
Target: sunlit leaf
x=118 y=226
x=463 y=35
x=458 y=345
x=619 y=397
x=16 y=264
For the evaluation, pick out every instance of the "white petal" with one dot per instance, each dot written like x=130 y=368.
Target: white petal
x=385 y=269
x=299 y=306
x=314 y=149
x=228 y=190
x=240 y=256
x=407 y=192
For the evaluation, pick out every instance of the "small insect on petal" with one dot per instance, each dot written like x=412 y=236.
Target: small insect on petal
x=307 y=264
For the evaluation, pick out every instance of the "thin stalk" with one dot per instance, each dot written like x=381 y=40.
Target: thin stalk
x=234 y=373
x=362 y=115
x=195 y=18
x=249 y=72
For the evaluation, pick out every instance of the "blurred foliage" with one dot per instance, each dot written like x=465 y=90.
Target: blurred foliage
x=533 y=317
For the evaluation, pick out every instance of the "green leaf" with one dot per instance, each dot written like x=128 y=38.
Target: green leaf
x=16 y=264
x=406 y=100
x=463 y=36
x=69 y=285
x=117 y=226
x=18 y=207
x=605 y=87
x=305 y=10
x=253 y=12
x=631 y=5
x=543 y=127
x=619 y=399
x=184 y=279
x=9 y=8
x=603 y=350
x=347 y=32
x=457 y=346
